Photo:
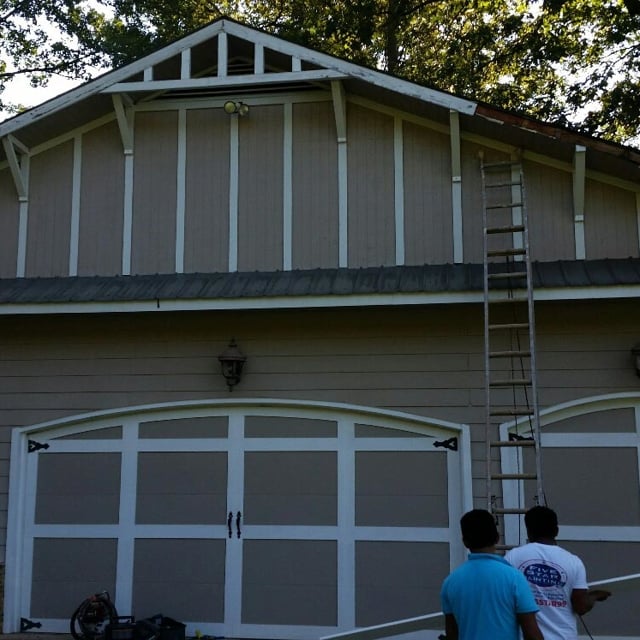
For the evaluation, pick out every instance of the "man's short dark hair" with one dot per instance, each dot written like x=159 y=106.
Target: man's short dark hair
x=478 y=529
x=541 y=522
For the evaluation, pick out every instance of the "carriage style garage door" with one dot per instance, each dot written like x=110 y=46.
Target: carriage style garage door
x=241 y=520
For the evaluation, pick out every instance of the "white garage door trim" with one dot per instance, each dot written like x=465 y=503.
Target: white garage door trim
x=22 y=496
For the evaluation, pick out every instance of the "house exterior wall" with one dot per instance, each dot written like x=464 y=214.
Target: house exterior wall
x=9 y=222
x=101 y=197
x=49 y=223
x=426 y=362
x=272 y=190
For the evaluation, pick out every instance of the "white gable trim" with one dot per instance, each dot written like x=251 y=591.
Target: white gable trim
x=350 y=69
x=333 y=68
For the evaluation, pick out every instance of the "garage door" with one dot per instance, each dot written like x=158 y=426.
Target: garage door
x=247 y=521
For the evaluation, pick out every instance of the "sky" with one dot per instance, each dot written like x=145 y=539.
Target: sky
x=20 y=92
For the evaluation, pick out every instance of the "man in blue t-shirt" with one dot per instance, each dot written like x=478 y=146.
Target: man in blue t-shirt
x=486 y=598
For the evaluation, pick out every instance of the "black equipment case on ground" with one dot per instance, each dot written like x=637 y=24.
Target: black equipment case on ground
x=159 y=627
x=121 y=628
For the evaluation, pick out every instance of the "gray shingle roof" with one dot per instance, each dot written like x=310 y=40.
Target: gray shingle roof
x=313 y=282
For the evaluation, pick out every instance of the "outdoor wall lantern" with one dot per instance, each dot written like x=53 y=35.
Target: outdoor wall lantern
x=231 y=361
x=635 y=352
x=231 y=107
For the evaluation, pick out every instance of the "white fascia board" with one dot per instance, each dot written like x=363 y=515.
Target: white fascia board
x=110 y=78
x=227 y=81
x=350 y=69
x=309 y=302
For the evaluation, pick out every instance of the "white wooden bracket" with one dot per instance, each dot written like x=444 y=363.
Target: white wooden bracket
x=579 y=171
x=15 y=151
x=339 y=109
x=124 y=118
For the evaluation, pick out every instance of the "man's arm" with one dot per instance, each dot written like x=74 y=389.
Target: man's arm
x=529 y=626
x=451 y=627
x=583 y=600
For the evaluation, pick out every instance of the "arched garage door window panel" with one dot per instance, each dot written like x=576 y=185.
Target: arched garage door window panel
x=327 y=506
x=591 y=473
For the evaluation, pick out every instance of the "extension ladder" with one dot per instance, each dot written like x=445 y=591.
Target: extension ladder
x=509 y=335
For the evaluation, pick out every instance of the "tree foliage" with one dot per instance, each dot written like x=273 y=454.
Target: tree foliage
x=40 y=39
x=571 y=62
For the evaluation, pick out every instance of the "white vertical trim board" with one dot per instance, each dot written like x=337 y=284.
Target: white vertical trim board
x=579 y=168
x=456 y=187
x=181 y=177
x=74 y=236
x=185 y=64
x=340 y=114
x=287 y=189
x=127 y=515
x=233 y=193
x=127 y=222
x=346 y=522
x=398 y=171
x=23 y=224
x=258 y=58
x=343 y=214
x=222 y=54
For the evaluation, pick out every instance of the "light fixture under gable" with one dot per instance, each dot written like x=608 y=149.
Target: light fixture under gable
x=240 y=108
x=232 y=361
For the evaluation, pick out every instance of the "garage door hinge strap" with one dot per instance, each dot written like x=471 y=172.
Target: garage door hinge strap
x=36 y=446
x=25 y=624
x=451 y=444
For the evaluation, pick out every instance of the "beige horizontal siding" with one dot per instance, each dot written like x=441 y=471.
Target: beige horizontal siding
x=427 y=362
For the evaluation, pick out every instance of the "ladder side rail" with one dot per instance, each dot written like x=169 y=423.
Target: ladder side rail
x=487 y=370
x=535 y=418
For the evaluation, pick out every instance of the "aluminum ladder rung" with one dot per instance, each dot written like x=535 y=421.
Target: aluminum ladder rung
x=513 y=443
x=508 y=325
x=512 y=411
x=502 y=164
x=504 y=205
x=508 y=228
x=514 y=476
x=513 y=511
x=509 y=354
x=503 y=300
x=515 y=251
x=511 y=382
x=496 y=185
x=506 y=275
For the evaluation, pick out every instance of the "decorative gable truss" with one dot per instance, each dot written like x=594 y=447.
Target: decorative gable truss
x=220 y=57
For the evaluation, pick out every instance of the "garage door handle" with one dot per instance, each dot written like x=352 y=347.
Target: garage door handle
x=229 y=521
x=238 y=518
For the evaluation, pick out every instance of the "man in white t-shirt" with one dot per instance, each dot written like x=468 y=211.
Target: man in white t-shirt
x=557 y=578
